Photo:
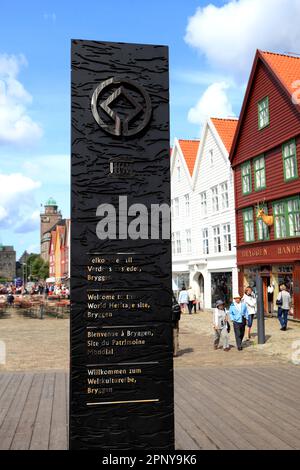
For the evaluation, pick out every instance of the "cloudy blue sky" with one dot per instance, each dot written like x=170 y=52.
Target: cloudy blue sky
x=212 y=45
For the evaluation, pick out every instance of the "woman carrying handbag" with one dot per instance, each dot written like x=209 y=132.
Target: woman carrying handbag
x=284 y=304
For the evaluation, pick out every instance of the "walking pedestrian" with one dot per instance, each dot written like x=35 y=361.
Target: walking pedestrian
x=183 y=299
x=238 y=314
x=270 y=298
x=176 y=313
x=250 y=300
x=220 y=324
x=192 y=298
x=10 y=299
x=284 y=304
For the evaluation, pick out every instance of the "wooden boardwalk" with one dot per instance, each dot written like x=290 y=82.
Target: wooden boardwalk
x=216 y=408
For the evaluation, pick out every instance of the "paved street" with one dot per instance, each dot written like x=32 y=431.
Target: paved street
x=234 y=400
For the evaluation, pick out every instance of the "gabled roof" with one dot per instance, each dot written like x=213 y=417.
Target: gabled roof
x=284 y=68
x=223 y=130
x=189 y=150
x=226 y=129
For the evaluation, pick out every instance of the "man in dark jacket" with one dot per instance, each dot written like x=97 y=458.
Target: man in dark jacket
x=239 y=315
x=176 y=313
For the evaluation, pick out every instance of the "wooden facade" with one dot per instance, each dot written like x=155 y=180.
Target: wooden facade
x=59 y=251
x=265 y=157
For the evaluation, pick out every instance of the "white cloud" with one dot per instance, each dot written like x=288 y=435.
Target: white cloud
x=29 y=224
x=199 y=77
x=17 y=200
x=33 y=248
x=16 y=126
x=49 y=168
x=213 y=103
x=229 y=35
x=3 y=213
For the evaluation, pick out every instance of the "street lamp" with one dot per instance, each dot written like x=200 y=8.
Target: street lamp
x=24 y=269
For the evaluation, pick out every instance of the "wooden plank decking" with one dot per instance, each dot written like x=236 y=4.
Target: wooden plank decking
x=232 y=408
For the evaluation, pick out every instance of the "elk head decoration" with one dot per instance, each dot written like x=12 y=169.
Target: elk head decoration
x=267 y=219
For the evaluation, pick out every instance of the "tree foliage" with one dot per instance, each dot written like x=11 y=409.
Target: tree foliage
x=37 y=269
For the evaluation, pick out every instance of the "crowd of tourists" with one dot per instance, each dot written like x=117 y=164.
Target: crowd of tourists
x=241 y=313
x=9 y=291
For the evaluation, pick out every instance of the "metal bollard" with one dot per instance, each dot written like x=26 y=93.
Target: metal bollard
x=260 y=310
x=42 y=311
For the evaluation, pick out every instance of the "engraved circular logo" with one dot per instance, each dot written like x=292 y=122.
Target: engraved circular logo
x=121 y=107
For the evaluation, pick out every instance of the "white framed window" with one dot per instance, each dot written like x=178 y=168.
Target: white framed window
x=227 y=237
x=215 y=199
x=173 y=244
x=178 y=242
x=188 y=236
x=262 y=228
x=176 y=207
x=178 y=173
x=246 y=178
x=224 y=195
x=187 y=204
x=293 y=213
x=205 y=241
x=217 y=239
x=211 y=157
x=289 y=152
x=259 y=173
x=203 y=204
x=263 y=113
x=248 y=221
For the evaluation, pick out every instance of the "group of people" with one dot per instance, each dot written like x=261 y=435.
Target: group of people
x=187 y=300
x=242 y=312
x=60 y=290
x=8 y=292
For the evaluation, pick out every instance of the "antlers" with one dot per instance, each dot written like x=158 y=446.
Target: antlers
x=260 y=204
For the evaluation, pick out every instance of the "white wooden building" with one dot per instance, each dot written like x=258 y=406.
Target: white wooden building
x=183 y=157
x=205 y=256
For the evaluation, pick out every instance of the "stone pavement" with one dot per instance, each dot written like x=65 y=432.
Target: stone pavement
x=196 y=344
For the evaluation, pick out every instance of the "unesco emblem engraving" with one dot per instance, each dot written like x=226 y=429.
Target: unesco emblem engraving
x=121 y=107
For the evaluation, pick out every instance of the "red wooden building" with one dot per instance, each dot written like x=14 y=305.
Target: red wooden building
x=265 y=157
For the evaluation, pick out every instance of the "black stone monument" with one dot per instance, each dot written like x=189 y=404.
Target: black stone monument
x=121 y=385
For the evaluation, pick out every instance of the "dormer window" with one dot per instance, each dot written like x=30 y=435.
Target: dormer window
x=263 y=113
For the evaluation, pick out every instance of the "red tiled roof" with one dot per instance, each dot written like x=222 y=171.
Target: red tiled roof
x=226 y=129
x=286 y=67
x=189 y=149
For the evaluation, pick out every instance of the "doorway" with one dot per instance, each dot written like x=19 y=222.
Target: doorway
x=199 y=289
x=221 y=288
x=266 y=282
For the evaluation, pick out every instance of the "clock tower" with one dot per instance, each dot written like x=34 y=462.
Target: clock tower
x=49 y=218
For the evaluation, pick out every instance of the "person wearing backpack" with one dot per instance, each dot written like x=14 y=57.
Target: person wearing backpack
x=284 y=304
